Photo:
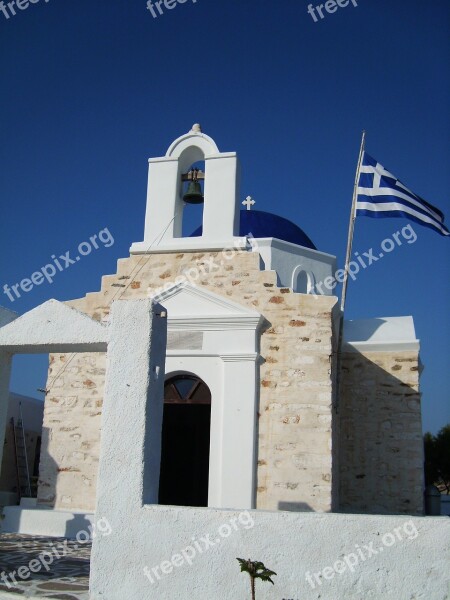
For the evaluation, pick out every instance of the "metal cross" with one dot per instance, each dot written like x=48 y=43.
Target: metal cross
x=248 y=202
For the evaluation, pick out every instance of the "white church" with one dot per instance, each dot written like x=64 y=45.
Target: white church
x=202 y=378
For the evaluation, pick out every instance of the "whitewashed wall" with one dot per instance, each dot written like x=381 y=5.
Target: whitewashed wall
x=292 y=544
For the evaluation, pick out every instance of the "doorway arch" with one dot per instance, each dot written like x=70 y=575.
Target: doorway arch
x=185 y=441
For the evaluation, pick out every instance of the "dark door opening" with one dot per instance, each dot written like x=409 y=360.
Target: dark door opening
x=185 y=442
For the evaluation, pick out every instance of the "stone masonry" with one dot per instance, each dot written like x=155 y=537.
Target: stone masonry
x=381 y=450
x=296 y=456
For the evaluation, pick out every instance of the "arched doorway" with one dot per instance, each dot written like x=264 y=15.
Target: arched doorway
x=185 y=442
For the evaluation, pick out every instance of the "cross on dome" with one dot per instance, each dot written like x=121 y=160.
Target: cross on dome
x=249 y=202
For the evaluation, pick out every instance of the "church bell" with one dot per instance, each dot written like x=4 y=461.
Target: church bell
x=194 y=194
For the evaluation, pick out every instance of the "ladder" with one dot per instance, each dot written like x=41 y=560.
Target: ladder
x=22 y=471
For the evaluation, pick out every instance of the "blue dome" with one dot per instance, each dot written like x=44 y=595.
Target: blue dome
x=263 y=225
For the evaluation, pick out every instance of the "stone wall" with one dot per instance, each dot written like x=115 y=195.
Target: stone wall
x=381 y=451
x=295 y=454
x=71 y=431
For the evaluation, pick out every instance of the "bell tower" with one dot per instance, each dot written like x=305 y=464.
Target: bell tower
x=165 y=200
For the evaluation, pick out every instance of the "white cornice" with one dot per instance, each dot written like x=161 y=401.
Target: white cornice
x=213 y=323
x=249 y=357
x=232 y=357
x=407 y=346
x=193 y=244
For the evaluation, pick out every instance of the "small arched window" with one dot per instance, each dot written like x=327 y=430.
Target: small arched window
x=303 y=282
x=186 y=389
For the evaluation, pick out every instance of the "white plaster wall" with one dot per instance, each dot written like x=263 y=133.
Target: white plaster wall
x=53 y=327
x=291 y=544
x=221 y=211
x=381 y=334
x=414 y=564
x=44 y=522
x=284 y=258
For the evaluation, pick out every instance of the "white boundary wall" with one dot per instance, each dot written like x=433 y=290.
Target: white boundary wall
x=165 y=552
x=182 y=553
x=292 y=544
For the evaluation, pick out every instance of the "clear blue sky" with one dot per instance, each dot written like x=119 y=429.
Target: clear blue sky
x=91 y=89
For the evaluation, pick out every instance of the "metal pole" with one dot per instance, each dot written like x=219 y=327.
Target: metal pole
x=351 y=227
x=345 y=282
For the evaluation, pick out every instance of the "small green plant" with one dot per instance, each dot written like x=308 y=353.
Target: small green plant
x=256 y=570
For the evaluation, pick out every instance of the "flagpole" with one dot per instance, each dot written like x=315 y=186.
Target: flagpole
x=351 y=230
x=351 y=227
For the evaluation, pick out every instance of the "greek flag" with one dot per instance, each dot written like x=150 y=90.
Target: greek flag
x=380 y=194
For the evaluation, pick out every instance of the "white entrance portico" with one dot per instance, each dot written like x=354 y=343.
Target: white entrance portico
x=217 y=340
x=53 y=327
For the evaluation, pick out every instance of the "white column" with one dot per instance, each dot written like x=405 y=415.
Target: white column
x=163 y=216
x=221 y=211
x=5 y=374
x=130 y=448
x=132 y=410
x=238 y=460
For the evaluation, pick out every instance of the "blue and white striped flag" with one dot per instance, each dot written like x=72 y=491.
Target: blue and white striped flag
x=380 y=194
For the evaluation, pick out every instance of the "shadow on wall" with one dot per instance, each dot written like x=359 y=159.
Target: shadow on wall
x=295 y=506
x=79 y=527
x=381 y=449
x=48 y=474
x=9 y=484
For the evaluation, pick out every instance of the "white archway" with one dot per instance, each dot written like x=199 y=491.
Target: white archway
x=218 y=339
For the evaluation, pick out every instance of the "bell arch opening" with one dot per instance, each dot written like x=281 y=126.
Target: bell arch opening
x=185 y=441
x=192 y=195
